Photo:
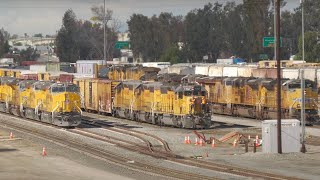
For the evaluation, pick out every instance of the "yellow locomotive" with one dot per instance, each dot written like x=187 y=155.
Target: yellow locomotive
x=54 y=103
x=256 y=98
x=153 y=102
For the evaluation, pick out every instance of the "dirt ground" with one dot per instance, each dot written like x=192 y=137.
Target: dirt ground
x=22 y=159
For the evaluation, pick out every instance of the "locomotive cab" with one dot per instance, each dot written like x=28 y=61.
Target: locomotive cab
x=190 y=104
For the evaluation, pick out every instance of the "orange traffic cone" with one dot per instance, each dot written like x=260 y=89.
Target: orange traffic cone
x=44 y=153
x=201 y=142
x=185 y=140
x=197 y=143
x=11 y=135
x=235 y=143
x=213 y=145
x=257 y=142
x=188 y=140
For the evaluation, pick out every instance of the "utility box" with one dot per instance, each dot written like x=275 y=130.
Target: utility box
x=290 y=133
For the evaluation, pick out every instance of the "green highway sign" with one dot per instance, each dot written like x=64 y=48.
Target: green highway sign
x=122 y=45
x=269 y=42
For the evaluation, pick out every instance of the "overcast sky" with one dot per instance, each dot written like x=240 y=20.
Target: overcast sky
x=45 y=16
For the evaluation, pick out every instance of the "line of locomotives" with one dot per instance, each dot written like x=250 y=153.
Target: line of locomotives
x=256 y=97
x=45 y=101
x=169 y=99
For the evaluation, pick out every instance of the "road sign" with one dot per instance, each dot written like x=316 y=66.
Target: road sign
x=269 y=42
x=122 y=45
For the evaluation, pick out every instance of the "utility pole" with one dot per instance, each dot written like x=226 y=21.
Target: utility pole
x=302 y=14
x=303 y=147
x=104 y=31
x=274 y=29
x=277 y=42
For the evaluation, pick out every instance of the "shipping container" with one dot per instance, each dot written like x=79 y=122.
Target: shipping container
x=230 y=71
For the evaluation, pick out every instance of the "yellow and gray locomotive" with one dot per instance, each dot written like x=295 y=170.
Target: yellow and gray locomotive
x=50 y=102
x=154 y=102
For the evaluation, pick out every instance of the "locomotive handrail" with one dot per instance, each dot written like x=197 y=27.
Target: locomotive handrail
x=75 y=103
x=54 y=110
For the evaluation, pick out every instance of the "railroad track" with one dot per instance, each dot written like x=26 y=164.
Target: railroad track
x=232 y=170
x=104 y=154
x=136 y=134
x=197 y=163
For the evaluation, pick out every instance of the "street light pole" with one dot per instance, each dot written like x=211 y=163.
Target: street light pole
x=104 y=30
x=303 y=147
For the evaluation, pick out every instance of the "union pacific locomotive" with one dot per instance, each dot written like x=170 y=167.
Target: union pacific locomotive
x=50 y=102
x=153 y=102
x=256 y=97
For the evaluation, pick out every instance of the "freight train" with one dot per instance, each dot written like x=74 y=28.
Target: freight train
x=45 y=101
x=256 y=97
x=152 y=102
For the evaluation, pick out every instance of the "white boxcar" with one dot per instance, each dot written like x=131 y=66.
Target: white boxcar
x=38 y=68
x=290 y=73
x=310 y=74
x=245 y=71
x=215 y=71
x=230 y=71
x=202 y=70
x=187 y=71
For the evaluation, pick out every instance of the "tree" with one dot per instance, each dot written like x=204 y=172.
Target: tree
x=172 y=55
x=312 y=47
x=111 y=31
x=151 y=37
x=205 y=32
x=4 y=45
x=66 y=46
x=38 y=35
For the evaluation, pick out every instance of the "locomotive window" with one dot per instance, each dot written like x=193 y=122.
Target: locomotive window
x=203 y=93
x=294 y=86
x=180 y=94
x=228 y=83
x=56 y=89
x=72 y=89
x=187 y=93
